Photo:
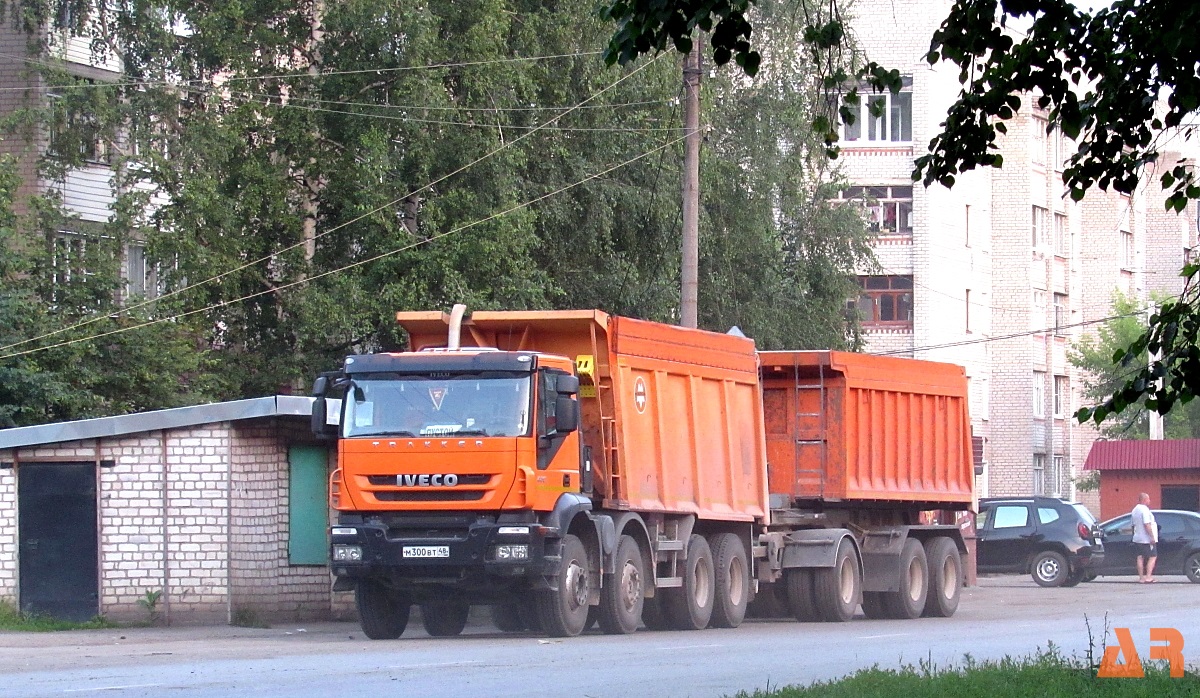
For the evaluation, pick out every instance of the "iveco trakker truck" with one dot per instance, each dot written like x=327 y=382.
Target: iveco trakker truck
x=571 y=467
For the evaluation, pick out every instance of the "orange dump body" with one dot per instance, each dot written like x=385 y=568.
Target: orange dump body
x=672 y=415
x=844 y=426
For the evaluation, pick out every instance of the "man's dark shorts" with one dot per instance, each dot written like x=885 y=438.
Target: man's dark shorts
x=1147 y=550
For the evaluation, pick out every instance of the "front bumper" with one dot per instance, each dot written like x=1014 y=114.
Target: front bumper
x=463 y=556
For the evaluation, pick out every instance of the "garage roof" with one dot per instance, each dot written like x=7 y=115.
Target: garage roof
x=1171 y=454
x=102 y=427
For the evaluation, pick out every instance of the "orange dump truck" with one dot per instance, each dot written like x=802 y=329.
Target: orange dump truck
x=571 y=467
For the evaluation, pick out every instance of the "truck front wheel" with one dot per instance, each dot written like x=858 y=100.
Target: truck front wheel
x=564 y=611
x=382 y=612
x=623 y=594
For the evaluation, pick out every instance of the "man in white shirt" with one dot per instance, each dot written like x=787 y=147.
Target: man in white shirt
x=1145 y=538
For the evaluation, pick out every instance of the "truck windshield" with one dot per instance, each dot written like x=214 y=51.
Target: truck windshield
x=389 y=404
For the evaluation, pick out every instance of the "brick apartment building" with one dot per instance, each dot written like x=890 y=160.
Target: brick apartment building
x=1000 y=273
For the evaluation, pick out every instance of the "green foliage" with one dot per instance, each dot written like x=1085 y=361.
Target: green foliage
x=12 y=619
x=1045 y=673
x=247 y=618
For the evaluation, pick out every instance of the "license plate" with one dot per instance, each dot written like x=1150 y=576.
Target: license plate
x=426 y=551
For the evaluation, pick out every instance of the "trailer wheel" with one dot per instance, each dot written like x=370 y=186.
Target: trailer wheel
x=909 y=600
x=623 y=594
x=732 y=581
x=800 y=594
x=563 y=612
x=382 y=612
x=945 y=577
x=444 y=618
x=690 y=607
x=507 y=618
x=874 y=604
x=836 y=589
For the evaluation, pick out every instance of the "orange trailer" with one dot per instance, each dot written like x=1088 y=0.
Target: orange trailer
x=566 y=467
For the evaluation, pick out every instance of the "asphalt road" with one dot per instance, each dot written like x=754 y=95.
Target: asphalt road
x=1003 y=616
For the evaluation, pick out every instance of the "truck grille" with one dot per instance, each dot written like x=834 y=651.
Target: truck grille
x=390 y=480
x=430 y=496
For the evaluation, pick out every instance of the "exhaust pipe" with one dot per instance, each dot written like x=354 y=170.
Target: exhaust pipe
x=454 y=341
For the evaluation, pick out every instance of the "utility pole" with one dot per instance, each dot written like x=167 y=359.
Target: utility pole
x=689 y=271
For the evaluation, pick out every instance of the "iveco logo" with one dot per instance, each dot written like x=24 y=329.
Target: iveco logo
x=427 y=480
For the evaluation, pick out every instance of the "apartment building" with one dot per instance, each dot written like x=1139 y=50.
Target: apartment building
x=1003 y=272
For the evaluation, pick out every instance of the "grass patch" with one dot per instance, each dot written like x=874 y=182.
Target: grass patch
x=1046 y=673
x=246 y=618
x=12 y=619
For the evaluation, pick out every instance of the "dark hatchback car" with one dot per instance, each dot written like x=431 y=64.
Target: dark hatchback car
x=1178 y=545
x=1055 y=541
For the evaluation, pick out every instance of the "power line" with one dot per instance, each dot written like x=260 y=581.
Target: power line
x=359 y=263
x=485 y=156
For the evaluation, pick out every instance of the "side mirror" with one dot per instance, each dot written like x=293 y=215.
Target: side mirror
x=566 y=412
x=321 y=428
x=566 y=385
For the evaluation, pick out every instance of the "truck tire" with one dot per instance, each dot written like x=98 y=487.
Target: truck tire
x=800 y=601
x=1049 y=569
x=507 y=618
x=732 y=571
x=444 y=618
x=564 y=612
x=945 y=577
x=624 y=592
x=690 y=607
x=382 y=612
x=909 y=600
x=836 y=589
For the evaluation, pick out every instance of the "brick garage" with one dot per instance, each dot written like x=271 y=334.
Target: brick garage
x=219 y=509
x=1169 y=471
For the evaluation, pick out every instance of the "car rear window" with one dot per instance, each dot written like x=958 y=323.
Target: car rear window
x=1047 y=514
x=1085 y=514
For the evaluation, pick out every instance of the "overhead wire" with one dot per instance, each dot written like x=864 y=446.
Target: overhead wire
x=358 y=263
x=390 y=204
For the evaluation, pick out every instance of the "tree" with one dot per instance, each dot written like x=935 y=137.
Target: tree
x=1116 y=81
x=1103 y=376
x=300 y=171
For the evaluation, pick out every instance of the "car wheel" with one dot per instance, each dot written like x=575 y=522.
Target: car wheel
x=1191 y=567
x=1050 y=569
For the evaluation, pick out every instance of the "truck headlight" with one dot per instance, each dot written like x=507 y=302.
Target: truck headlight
x=344 y=531
x=347 y=553
x=513 y=530
x=511 y=552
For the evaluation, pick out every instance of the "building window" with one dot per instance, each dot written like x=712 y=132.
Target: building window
x=967 y=225
x=1041 y=234
x=1039 y=394
x=1127 y=253
x=893 y=124
x=75 y=130
x=1039 y=473
x=308 y=506
x=888 y=210
x=1058 y=151
x=1062 y=237
x=1062 y=314
x=1038 y=148
x=1062 y=396
x=967 y=311
x=1037 y=318
x=885 y=301
x=1056 y=475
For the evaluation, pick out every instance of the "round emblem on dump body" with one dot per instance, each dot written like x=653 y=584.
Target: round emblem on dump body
x=639 y=395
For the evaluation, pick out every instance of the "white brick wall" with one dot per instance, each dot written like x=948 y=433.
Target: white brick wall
x=8 y=533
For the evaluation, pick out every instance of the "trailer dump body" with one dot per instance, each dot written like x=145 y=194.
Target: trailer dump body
x=854 y=427
x=673 y=415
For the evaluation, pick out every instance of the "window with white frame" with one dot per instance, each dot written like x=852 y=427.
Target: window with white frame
x=1058 y=474
x=1062 y=396
x=888 y=209
x=893 y=124
x=1062 y=236
x=1039 y=473
x=1127 y=253
x=1062 y=314
x=1038 y=146
x=1041 y=232
x=1039 y=394
x=75 y=130
x=1037 y=317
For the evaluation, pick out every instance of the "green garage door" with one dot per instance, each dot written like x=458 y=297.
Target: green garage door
x=308 y=505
